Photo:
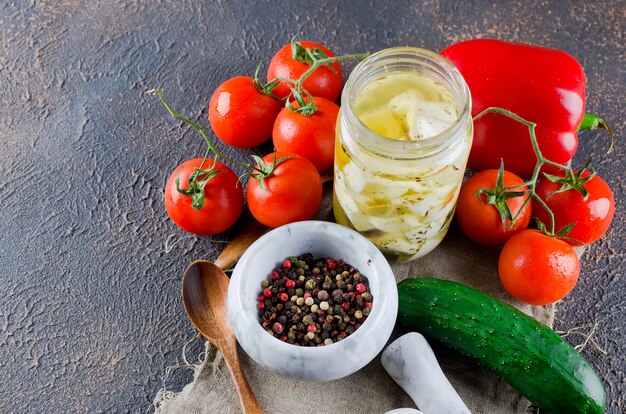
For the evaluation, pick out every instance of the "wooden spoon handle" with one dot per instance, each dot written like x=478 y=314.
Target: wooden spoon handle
x=249 y=403
x=232 y=253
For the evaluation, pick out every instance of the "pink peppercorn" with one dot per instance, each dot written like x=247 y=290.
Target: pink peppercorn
x=277 y=327
x=290 y=284
x=267 y=292
x=275 y=275
x=360 y=287
x=307 y=295
x=283 y=297
x=345 y=305
x=287 y=264
x=260 y=306
x=311 y=327
x=332 y=265
x=367 y=305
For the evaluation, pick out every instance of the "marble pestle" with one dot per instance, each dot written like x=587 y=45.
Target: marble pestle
x=412 y=364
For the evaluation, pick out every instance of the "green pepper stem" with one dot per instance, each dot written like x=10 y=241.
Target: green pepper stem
x=591 y=122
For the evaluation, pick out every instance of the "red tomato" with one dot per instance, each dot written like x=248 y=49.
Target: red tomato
x=324 y=81
x=223 y=199
x=538 y=269
x=481 y=221
x=592 y=216
x=293 y=192
x=312 y=137
x=240 y=114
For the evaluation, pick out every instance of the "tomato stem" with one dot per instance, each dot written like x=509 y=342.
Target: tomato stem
x=315 y=58
x=211 y=147
x=265 y=170
x=158 y=93
x=498 y=195
x=201 y=176
x=572 y=179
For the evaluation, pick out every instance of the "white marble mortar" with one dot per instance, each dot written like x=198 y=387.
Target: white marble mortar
x=322 y=239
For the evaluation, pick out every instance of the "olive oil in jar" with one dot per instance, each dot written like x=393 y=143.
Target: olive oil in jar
x=405 y=107
x=403 y=138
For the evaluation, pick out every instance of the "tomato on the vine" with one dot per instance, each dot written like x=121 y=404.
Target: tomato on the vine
x=292 y=192
x=325 y=81
x=538 y=269
x=592 y=216
x=481 y=221
x=223 y=199
x=312 y=137
x=240 y=114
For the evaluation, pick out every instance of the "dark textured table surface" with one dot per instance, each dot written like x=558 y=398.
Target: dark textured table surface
x=90 y=266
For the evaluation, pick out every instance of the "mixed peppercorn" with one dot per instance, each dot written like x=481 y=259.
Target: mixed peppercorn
x=313 y=302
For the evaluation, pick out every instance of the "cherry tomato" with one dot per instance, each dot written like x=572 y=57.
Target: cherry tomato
x=482 y=221
x=538 y=269
x=240 y=115
x=324 y=81
x=223 y=199
x=293 y=192
x=312 y=137
x=592 y=216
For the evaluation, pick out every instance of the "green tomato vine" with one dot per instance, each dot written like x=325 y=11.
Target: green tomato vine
x=497 y=196
x=260 y=170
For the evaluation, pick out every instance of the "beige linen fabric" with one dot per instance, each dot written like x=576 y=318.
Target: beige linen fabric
x=370 y=390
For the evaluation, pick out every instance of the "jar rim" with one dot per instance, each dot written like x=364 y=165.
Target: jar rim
x=419 y=59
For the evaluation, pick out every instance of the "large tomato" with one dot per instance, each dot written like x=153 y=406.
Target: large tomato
x=538 y=269
x=324 y=81
x=240 y=114
x=482 y=221
x=293 y=192
x=223 y=199
x=312 y=137
x=592 y=216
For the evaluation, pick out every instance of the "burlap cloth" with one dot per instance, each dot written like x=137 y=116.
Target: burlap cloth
x=369 y=390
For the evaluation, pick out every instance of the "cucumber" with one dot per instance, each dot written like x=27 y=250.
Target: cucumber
x=530 y=356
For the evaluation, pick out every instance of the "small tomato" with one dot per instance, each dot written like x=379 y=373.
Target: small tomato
x=312 y=137
x=240 y=114
x=293 y=192
x=538 y=269
x=592 y=215
x=325 y=81
x=223 y=199
x=481 y=221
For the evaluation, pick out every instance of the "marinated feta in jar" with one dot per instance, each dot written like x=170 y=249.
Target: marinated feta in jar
x=403 y=139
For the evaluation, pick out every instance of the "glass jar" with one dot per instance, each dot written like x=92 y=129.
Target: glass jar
x=401 y=192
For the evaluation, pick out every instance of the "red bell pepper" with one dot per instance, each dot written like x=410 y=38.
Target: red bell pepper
x=544 y=86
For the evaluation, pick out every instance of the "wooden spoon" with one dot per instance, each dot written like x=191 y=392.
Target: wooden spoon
x=205 y=287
